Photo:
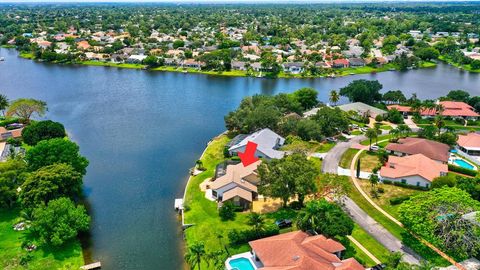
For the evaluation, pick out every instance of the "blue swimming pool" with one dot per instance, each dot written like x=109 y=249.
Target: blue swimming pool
x=241 y=264
x=462 y=163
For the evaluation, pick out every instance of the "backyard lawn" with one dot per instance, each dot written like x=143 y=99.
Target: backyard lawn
x=308 y=147
x=396 y=230
x=11 y=254
x=390 y=192
x=369 y=160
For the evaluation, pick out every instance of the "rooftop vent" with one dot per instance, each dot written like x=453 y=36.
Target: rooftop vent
x=296 y=258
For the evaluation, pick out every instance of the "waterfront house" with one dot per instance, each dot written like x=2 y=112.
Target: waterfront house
x=362 y=109
x=469 y=143
x=83 y=45
x=136 y=59
x=13 y=133
x=239 y=65
x=238 y=184
x=415 y=170
x=454 y=109
x=267 y=144
x=298 y=250
x=340 y=63
x=293 y=67
x=356 y=62
x=412 y=146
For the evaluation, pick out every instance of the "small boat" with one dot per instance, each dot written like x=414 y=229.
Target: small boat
x=185 y=71
x=2 y=58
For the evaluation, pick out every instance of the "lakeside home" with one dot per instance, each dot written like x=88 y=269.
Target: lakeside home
x=414 y=170
x=362 y=109
x=267 y=144
x=297 y=251
x=412 y=146
x=238 y=184
x=6 y=134
x=454 y=109
x=469 y=143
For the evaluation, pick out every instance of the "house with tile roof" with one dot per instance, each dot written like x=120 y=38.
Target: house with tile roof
x=6 y=134
x=415 y=170
x=410 y=146
x=454 y=109
x=238 y=184
x=362 y=109
x=299 y=251
x=469 y=143
x=267 y=144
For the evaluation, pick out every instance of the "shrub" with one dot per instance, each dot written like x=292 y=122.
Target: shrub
x=379 y=118
x=237 y=237
x=398 y=200
x=14 y=142
x=409 y=186
x=380 y=190
x=42 y=130
x=227 y=211
x=461 y=170
x=388 y=182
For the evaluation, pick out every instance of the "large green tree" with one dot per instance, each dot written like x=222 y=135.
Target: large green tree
x=362 y=91
x=331 y=121
x=437 y=215
x=325 y=218
x=59 y=221
x=307 y=97
x=53 y=151
x=284 y=178
x=42 y=130
x=50 y=182
x=26 y=108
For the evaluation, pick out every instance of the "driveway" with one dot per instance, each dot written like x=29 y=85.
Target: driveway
x=409 y=122
x=378 y=232
x=332 y=159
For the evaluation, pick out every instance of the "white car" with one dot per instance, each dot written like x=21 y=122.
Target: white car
x=375 y=148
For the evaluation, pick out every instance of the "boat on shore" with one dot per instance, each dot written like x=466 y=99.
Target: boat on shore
x=2 y=58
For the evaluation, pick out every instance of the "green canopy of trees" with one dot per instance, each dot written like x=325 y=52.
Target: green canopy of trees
x=60 y=221
x=325 y=218
x=42 y=130
x=26 y=108
x=53 y=151
x=364 y=91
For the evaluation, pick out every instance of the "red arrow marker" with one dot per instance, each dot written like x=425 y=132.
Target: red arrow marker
x=248 y=157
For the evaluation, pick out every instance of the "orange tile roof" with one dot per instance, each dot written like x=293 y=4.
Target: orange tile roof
x=471 y=140
x=299 y=251
x=398 y=167
x=450 y=108
x=431 y=149
x=16 y=133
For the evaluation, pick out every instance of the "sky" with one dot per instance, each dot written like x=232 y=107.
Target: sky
x=227 y=1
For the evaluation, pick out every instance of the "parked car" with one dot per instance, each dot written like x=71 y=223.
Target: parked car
x=375 y=148
x=353 y=125
x=331 y=139
x=380 y=266
x=283 y=223
x=363 y=129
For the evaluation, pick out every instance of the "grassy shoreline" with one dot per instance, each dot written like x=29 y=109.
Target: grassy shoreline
x=239 y=73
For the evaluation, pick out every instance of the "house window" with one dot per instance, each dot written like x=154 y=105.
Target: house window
x=404 y=181
x=418 y=184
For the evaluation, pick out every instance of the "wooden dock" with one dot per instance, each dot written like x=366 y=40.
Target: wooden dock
x=95 y=265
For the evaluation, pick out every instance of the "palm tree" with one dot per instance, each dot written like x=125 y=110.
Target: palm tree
x=256 y=221
x=395 y=132
x=194 y=254
x=217 y=258
x=404 y=130
x=3 y=104
x=371 y=134
x=439 y=123
x=334 y=97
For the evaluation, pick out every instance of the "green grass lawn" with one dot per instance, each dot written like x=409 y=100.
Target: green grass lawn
x=380 y=138
x=368 y=161
x=204 y=214
x=347 y=157
x=110 y=64
x=308 y=147
x=396 y=230
x=44 y=258
x=460 y=66
x=385 y=127
x=372 y=245
x=26 y=55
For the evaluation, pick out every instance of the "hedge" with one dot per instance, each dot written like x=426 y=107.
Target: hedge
x=461 y=170
x=400 y=184
x=237 y=237
x=399 y=199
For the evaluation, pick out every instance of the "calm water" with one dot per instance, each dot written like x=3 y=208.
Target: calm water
x=142 y=131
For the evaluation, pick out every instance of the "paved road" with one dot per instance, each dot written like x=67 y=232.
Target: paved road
x=378 y=232
x=330 y=164
x=332 y=159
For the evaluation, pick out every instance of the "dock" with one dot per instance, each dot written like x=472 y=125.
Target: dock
x=178 y=204
x=95 y=265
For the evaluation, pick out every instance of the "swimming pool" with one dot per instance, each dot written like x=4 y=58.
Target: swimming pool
x=462 y=163
x=241 y=264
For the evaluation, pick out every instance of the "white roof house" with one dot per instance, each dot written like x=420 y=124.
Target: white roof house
x=267 y=144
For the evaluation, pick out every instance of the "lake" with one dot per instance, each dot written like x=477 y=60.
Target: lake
x=143 y=130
